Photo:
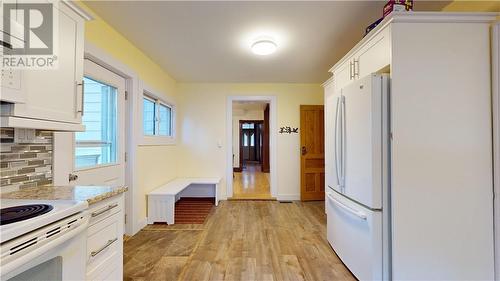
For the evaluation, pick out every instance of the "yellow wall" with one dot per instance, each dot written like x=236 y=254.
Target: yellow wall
x=203 y=125
x=201 y=110
x=473 y=6
x=155 y=164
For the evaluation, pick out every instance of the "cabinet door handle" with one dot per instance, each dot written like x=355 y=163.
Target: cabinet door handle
x=351 y=75
x=343 y=144
x=355 y=66
x=335 y=139
x=82 y=97
x=95 y=214
x=96 y=252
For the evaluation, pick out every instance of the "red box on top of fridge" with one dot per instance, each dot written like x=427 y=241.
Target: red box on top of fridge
x=398 y=6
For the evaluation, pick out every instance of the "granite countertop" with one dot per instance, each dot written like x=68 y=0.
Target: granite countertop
x=91 y=194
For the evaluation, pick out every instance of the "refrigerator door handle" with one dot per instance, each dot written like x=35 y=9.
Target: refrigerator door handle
x=337 y=163
x=346 y=208
x=343 y=143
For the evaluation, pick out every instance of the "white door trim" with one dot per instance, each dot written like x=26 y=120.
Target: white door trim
x=272 y=140
x=98 y=56
x=495 y=66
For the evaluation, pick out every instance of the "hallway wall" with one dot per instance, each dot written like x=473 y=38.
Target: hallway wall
x=203 y=127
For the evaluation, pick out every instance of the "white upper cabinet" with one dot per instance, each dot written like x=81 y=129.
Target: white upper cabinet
x=374 y=55
x=54 y=96
x=371 y=55
x=10 y=82
x=343 y=75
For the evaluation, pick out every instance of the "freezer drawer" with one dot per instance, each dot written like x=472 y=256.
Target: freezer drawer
x=355 y=234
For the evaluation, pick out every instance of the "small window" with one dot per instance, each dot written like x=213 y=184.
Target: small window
x=165 y=122
x=157 y=117
x=247 y=126
x=149 y=117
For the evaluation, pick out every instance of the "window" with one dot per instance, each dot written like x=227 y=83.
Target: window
x=148 y=121
x=245 y=139
x=157 y=117
x=165 y=122
x=98 y=144
x=247 y=126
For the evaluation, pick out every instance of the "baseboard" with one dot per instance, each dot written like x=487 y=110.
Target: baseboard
x=141 y=224
x=288 y=197
x=237 y=169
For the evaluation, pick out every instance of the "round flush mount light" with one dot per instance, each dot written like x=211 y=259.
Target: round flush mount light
x=264 y=47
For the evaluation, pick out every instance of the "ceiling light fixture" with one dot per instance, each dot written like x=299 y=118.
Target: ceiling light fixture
x=264 y=47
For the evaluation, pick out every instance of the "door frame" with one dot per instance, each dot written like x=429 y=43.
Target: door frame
x=241 y=139
x=495 y=67
x=273 y=133
x=98 y=56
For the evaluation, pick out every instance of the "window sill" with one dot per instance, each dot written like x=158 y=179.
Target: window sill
x=157 y=140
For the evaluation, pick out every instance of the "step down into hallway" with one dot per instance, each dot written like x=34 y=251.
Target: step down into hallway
x=191 y=210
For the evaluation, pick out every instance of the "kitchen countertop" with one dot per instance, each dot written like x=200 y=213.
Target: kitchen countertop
x=91 y=194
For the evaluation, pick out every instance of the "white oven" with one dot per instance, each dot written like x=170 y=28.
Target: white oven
x=51 y=252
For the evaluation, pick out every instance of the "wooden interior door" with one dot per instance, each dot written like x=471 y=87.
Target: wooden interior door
x=312 y=159
x=250 y=141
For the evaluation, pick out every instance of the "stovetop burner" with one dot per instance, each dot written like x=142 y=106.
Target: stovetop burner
x=23 y=212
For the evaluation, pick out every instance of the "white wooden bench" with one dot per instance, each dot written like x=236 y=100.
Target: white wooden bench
x=161 y=200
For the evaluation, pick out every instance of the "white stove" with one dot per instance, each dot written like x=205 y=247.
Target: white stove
x=60 y=209
x=43 y=236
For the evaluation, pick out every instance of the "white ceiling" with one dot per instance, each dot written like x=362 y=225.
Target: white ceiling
x=209 y=41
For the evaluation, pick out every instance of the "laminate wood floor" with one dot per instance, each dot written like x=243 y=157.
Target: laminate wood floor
x=240 y=240
x=251 y=183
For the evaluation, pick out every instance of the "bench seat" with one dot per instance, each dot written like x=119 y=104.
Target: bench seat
x=161 y=200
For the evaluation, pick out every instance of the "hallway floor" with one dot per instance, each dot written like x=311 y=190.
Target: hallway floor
x=240 y=240
x=251 y=183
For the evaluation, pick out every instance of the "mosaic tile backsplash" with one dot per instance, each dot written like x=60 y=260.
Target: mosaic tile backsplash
x=25 y=164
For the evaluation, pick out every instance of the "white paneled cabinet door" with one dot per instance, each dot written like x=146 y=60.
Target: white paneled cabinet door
x=11 y=86
x=342 y=75
x=56 y=94
x=374 y=55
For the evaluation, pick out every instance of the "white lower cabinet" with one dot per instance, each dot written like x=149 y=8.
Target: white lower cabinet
x=105 y=240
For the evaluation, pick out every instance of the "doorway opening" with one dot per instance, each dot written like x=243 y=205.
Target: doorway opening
x=251 y=149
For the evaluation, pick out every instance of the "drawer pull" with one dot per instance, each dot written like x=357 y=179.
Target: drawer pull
x=95 y=214
x=95 y=253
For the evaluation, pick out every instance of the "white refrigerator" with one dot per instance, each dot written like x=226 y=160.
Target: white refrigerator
x=357 y=203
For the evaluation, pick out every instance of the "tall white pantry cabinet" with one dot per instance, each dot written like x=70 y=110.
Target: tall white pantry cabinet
x=440 y=209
